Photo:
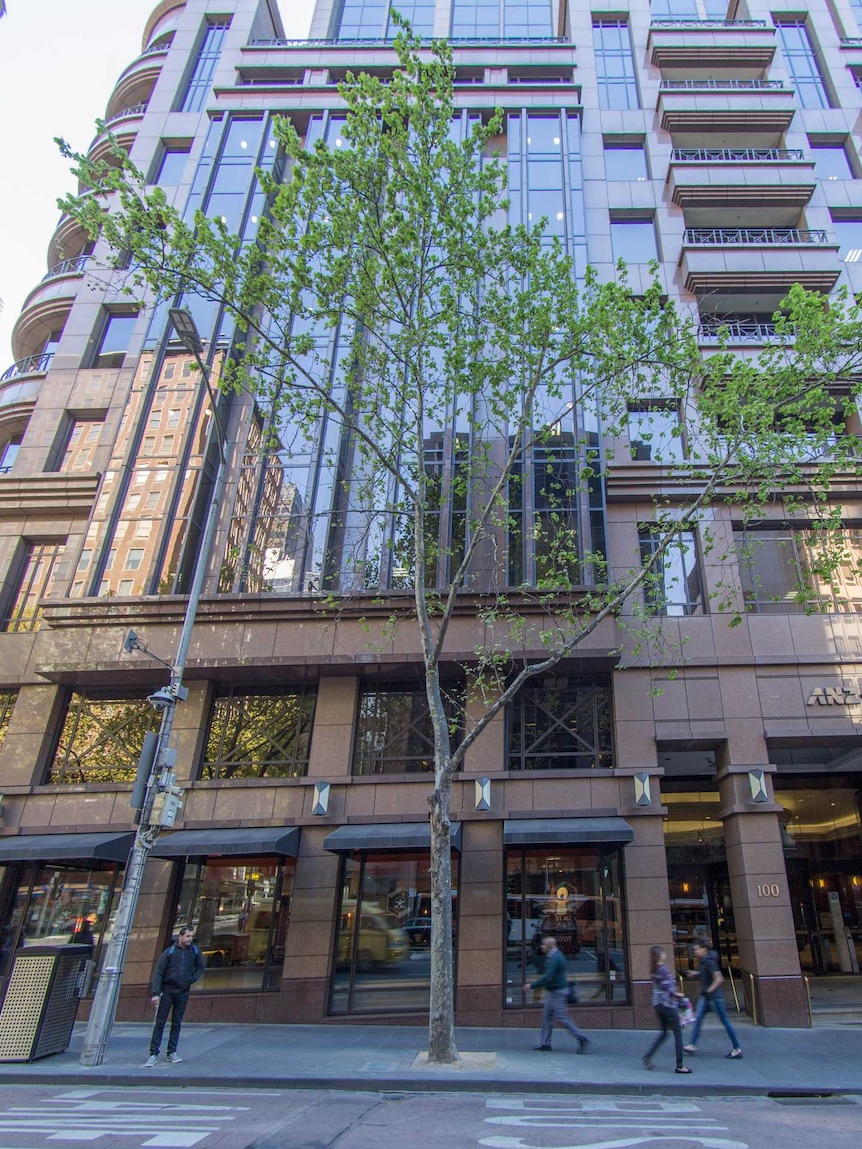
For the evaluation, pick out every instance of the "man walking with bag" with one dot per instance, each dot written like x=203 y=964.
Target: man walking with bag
x=555 y=1007
x=176 y=971
x=711 y=996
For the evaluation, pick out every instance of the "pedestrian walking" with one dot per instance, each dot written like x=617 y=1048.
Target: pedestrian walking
x=555 y=984
x=711 y=996
x=176 y=971
x=665 y=998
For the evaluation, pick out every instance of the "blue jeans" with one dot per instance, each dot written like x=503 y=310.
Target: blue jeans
x=713 y=1001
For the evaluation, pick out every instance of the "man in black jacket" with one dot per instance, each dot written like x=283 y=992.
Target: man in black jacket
x=176 y=971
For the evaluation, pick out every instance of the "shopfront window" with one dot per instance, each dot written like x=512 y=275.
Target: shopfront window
x=382 y=961
x=575 y=894
x=53 y=905
x=239 y=909
x=822 y=837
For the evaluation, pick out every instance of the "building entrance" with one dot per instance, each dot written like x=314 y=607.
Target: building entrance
x=700 y=905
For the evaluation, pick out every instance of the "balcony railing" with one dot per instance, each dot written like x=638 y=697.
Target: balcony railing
x=735 y=155
x=671 y=23
x=705 y=236
x=31 y=365
x=381 y=42
x=154 y=49
x=738 y=331
x=134 y=110
x=723 y=86
x=67 y=267
x=851 y=41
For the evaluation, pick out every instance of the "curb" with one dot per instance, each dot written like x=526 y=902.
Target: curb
x=442 y=1084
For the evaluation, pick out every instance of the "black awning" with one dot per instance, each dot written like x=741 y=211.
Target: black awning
x=66 y=847
x=386 y=836
x=566 y=831
x=281 y=840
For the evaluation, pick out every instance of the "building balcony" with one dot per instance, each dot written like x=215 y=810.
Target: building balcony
x=76 y=266
x=135 y=87
x=725 y=45
x=765 y=261
x=382 y=42
x=728 y=106
x=738 y=329
x=29 y=365
x=710 y=180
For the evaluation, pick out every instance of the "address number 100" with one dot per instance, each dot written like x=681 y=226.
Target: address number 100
x=770 y=890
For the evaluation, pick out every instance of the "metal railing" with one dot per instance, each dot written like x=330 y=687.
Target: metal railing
x=724 y=86
x=134 y=110
x=735 y=155
x=738 y=331
x=704 y=236
x=851 y=41
x=31 y=365
x=670 y=23
x=67 y=267
x=381 y=42
x=154 y=48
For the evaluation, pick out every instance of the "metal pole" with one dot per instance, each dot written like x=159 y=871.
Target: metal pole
x=104 y=1009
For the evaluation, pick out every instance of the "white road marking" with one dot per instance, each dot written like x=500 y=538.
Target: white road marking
x=641 y=1121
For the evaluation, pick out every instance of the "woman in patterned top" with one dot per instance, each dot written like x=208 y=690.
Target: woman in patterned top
x=665 y=998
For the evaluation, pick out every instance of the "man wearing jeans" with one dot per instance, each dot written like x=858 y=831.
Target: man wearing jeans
x=556 y=986
x=176 y=971
x=711 y=996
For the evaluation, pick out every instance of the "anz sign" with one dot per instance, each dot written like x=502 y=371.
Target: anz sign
x=834 y=696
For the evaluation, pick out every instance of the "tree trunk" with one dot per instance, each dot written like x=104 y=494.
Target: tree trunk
x=441 y=1022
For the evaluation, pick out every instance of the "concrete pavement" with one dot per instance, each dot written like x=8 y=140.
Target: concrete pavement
x=365 y=1057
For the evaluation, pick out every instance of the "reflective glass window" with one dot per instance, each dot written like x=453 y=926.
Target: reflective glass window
x=625 y=161
x=802 y=63
x=393 y=730
x=199 y=83
x=9 y=453
x=634 y=240
x=574 y=894
x=40 y=574
x=382 y=959
x=831 y=162
x=8 y=699
x=655 y=434
x=239 y=909
x=101 y=738
x=674 y=588
x=667 y=9
x=782 y=571
x=615 y=68
x=476 y=19
x=849 y=235
x=115 y=338
x=172 y=165
x=81 y=443
x=561 y=723
x=260 y=734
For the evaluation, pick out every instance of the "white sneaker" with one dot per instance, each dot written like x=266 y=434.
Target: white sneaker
x=151 y=1061
x=174 y=1058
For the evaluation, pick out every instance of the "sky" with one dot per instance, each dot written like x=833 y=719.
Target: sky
x=59 y=61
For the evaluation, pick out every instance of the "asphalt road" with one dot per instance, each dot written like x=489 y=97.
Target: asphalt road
x=33 y=1117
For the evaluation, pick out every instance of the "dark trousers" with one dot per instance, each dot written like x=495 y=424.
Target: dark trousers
x=171 y=999
x=668 y=1017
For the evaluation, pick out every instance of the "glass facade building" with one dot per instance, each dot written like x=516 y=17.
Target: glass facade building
x=712 y=786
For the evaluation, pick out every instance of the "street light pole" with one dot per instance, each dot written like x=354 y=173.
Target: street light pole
x=161 y=781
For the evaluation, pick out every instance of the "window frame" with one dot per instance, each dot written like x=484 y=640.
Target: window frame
x=522 y=748
x=301 y=736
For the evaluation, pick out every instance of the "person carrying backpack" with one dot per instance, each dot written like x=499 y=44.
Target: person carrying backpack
x=179 y=967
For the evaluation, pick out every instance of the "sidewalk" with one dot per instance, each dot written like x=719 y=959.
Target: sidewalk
x=363 y=1057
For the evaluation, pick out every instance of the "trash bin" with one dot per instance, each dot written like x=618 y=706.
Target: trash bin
x=42 y=1000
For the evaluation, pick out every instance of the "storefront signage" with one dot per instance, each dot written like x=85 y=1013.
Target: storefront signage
x=834 y=696
x=769 y=890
